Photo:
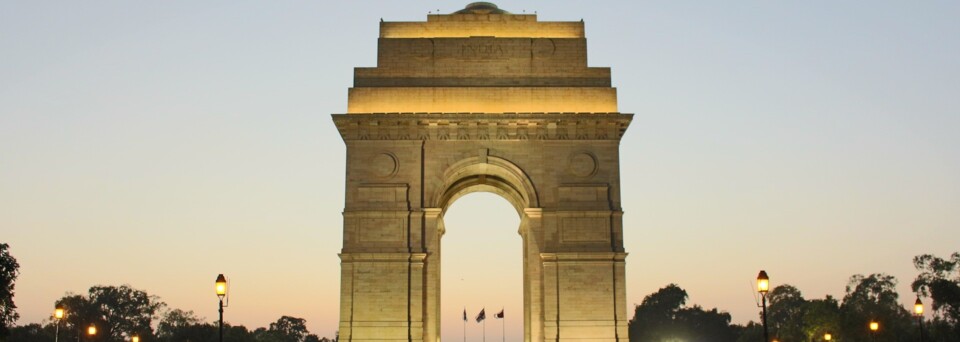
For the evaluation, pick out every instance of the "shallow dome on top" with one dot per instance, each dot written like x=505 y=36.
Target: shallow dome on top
x=481 y=8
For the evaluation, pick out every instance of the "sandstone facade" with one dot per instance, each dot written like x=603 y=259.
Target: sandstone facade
x=482 y=100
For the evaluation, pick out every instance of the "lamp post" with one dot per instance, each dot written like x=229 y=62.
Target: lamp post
x=827 y=337
x=135 y=338
x=58 y=313
x=918 y=310
x=874 y=327
x=221 y=293
x=763 y=286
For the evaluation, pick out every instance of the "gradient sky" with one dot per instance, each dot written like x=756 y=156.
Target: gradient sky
x=158 y=144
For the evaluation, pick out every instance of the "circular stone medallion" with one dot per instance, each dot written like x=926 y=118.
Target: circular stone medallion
x=583 y=164
x=543 y=47
x=383 y=165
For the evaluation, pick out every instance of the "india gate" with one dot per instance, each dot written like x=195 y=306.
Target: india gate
x=482 y=100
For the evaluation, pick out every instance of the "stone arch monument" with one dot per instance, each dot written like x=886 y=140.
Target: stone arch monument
x=482 y=100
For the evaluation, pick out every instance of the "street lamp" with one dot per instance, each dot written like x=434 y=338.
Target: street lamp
x=918 y=310
x=135 y=338
x=874 y=326
x=221 y=293
x=58 y=313
x=91 y=331
x=827 y=337
x=763 y=286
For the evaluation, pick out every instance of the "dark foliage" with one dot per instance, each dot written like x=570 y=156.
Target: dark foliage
x=939 y=279
x=663 y=317
x=9 y=270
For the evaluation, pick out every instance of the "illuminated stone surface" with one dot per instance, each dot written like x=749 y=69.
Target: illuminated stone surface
x=482 y=100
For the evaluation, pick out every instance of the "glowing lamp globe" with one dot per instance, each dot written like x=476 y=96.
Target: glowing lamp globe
x=221 y=286
x=763 y=282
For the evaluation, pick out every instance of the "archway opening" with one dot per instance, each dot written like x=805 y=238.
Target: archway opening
x=481 y=268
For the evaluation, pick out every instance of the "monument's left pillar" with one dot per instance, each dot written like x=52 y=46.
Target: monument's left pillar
x=378 y=292
x=383 y=266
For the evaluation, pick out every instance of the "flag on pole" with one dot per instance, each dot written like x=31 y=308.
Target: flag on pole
x=464 y=314
x=500 y=315
x=482 y=315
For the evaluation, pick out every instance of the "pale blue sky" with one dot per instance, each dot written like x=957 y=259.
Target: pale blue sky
x=158 y=144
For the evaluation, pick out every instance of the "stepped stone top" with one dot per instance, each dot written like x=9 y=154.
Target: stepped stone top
x=481 y=59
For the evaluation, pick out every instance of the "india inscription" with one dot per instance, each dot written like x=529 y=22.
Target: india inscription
x=468 y=50
x=482 y=100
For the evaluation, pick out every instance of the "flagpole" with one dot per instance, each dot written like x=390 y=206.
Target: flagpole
x=484 y=330
x=503 y=322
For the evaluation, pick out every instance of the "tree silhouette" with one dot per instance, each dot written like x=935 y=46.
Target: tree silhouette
x=662 y=317
x=939 y=279
x=179 y=325
x=118 y=311
x=9 y=270
x=821 y=316
x=785 y=312
x=653 y=319
x=874 y=297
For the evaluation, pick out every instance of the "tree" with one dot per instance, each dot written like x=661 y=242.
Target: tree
x=821 y=316
x=751 y=332
x=175 y=323
x=874 y=297
x=265 y=335
x=653 y=318
x=237 y=333
x=939 y=279
x=118 y=312
x=662 y=317
x=289 y=329
x=697 y=324
x=785 y=312
x=80 y=313
x=126 y=311
x=9 y=270
x=30 y=333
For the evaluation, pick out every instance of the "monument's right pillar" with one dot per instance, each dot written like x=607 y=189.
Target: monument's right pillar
x=584 y=292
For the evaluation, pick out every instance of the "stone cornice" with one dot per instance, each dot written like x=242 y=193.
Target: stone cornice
x=482 y=126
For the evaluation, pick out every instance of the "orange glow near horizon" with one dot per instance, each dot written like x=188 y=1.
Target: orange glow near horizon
x=158 y=146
